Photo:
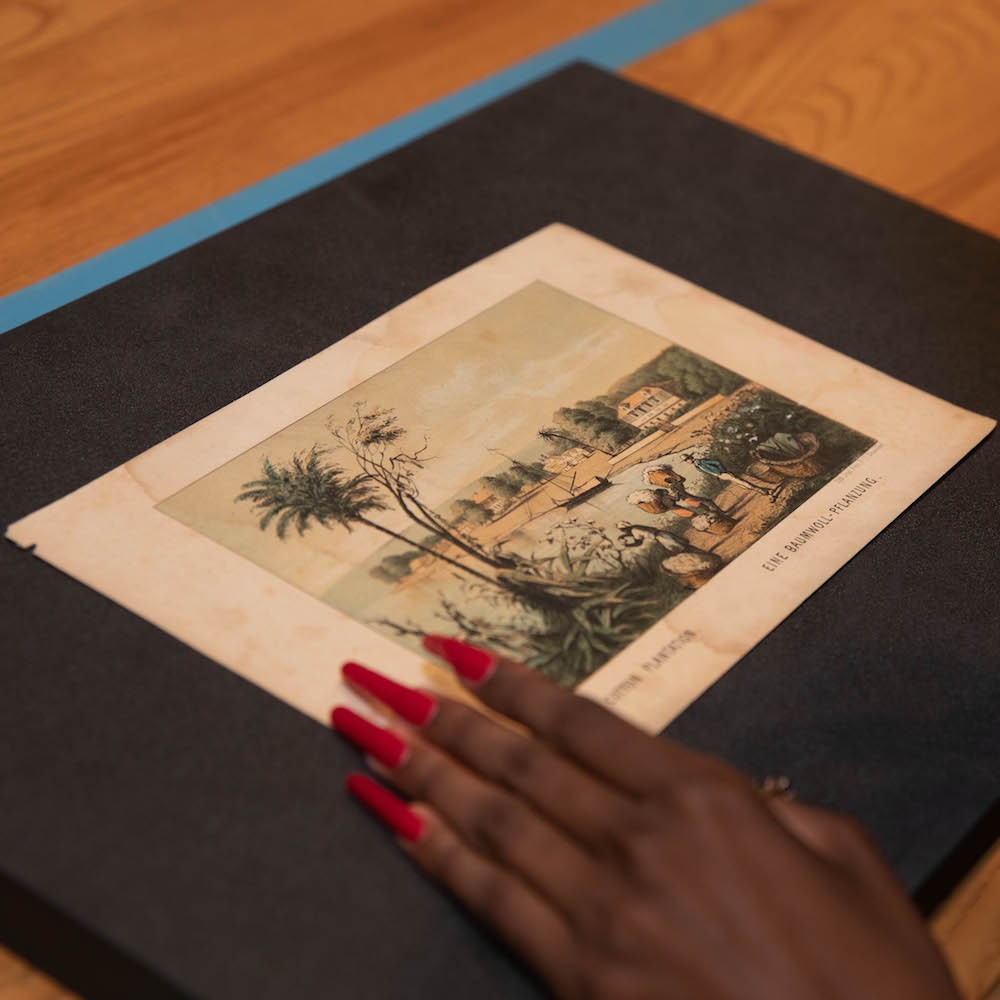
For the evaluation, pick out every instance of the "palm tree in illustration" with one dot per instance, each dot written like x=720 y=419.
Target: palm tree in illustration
x=309 y=490
x=554 y=434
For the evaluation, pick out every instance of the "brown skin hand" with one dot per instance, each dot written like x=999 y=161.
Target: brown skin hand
x=622 y=866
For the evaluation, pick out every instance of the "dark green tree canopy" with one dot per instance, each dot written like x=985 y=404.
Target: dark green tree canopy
x=474 y=513
x=503 y=484
x=394 y=568
x=589 y=423
x=696 y=378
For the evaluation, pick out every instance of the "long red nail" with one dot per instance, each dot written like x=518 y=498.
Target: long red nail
x=470 y=662
x=394 y=812
x=385 y=746
x=413 y=706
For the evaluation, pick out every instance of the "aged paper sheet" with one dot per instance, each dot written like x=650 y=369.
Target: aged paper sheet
x=562 y=451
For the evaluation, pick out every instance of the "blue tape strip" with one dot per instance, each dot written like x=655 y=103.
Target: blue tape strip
x=610 y=45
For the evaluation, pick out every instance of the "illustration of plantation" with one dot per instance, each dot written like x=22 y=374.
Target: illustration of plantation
x=581 y=536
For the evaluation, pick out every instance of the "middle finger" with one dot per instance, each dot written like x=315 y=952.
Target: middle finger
x=579 y=803
x=487 y=817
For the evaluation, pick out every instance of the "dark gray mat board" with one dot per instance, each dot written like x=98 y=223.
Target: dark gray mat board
x=196 y=824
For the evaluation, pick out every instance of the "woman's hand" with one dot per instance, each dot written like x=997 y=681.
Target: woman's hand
x=623 y=866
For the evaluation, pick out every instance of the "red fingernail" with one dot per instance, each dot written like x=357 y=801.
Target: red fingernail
x=394 y=812
x=470 y=662
x=413 y=706
x=385 y=746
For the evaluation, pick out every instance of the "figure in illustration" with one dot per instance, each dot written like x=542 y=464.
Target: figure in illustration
x=711 y=467
x=794 y=455
x=687 y=565
x=666 y=478
x=678 y=502
x=634 y=535
x=663 y=477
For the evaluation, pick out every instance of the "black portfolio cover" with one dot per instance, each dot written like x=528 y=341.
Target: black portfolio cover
x=157 y=810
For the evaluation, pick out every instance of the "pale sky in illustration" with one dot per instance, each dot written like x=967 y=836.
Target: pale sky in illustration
x=492 y=382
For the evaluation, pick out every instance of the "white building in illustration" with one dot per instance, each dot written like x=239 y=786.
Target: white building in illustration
x=651 y=407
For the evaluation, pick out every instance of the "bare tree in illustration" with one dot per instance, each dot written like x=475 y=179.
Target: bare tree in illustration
x=511 y=636
x=375 y=439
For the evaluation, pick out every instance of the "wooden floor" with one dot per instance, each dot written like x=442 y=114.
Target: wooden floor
x=904 y=93
x=119 y=115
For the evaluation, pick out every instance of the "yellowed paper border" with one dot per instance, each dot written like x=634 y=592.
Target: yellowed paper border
x=109 y=535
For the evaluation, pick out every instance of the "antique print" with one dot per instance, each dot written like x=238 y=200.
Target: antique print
x=563 y=452
x=547 y=479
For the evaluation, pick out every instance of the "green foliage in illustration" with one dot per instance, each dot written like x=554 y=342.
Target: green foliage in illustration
x=696 y=378
x=567 y=612
x=606 y=614
x=754 y=420
x=503 y=484
x=471 y=512
x=559 y=439
x=509 y=481
x=594 y=422
x=310 y=489
x=596 y=426
x=394 y=568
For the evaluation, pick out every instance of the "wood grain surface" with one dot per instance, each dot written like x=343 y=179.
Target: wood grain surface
x=120 y=115
x=904 y=93
x=967 y=927
x=19 y=981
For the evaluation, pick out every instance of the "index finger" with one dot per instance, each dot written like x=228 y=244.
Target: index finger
x=575 y=726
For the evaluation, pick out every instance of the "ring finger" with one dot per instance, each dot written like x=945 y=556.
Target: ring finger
x=583 y=805
x=487 y=817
